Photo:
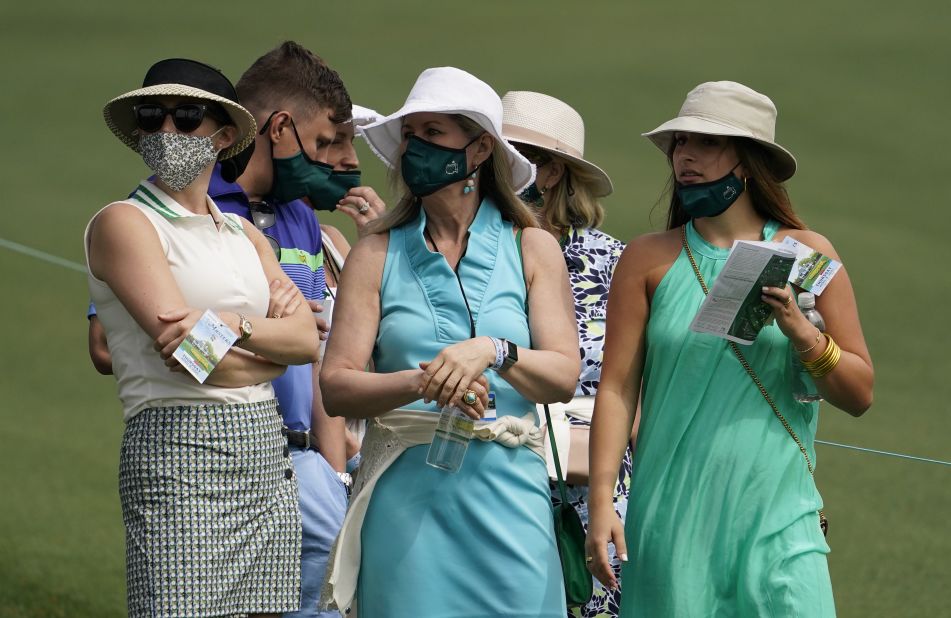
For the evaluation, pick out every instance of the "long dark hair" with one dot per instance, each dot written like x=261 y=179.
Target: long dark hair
x=768 y=195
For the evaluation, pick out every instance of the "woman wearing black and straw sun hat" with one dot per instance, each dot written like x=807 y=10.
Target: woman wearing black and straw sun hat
x=724 y=514
x=209 y=498
x=565 y=197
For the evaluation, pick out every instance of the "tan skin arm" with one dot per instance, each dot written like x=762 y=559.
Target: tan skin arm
x=126 y=253
x=579 y=472
x=849 y=385
x=348 y=390
x=333 y=440
x=549 y=371
x=329 y=432
x=99 y=347
x=237 y=368
x=291 y=340
x=641 y=265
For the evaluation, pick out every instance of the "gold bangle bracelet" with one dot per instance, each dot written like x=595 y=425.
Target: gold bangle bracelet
x=822 y=358
x=813 y=346
x=820 y=369
x=826 y=362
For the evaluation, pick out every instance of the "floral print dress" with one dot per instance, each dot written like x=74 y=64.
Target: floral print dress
x=591 y=256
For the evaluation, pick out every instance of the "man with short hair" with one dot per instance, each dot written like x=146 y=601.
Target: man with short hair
x=297 y=101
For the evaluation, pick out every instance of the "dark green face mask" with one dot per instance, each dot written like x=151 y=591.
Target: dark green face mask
x=427 y=167
x=532 y=196
x=336 y=187
x=709 y=199
x=300 y=176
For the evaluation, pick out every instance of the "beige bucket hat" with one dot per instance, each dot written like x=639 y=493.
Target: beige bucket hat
x=448 y=90
x=178 y=77
x=542 y=121
x=730 y=109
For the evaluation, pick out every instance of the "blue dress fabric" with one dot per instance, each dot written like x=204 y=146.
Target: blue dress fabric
x=480 y=542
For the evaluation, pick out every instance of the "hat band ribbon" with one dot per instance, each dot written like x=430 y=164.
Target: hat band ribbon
x=521 y=134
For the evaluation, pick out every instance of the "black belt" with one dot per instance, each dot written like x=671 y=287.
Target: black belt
x=302 y=439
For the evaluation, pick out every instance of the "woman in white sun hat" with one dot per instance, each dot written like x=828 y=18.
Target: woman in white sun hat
x=725 y=516
x=458 y=298
x=209 y=498
x=550 y=134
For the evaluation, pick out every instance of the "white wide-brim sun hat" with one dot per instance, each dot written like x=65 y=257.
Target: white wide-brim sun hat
x=549 y=124
x=448 y=90
x=179 y=77
x=728 y=109
x=361 y=116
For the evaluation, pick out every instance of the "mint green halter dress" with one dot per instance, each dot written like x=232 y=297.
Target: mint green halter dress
x=722 y=514
x=480 y=542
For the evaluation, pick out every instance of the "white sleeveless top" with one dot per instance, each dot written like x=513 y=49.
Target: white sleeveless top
x=215 y=269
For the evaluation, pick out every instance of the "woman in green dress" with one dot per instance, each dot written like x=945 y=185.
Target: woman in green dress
x=723 y=514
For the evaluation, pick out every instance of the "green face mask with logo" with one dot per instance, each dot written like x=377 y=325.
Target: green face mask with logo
x=300 y=176
x=710 y=199
x=427 y=167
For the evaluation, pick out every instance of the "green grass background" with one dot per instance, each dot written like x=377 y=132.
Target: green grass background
x=863 y=92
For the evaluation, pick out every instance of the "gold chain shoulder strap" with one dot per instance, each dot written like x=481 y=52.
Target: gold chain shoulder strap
x=823 y=522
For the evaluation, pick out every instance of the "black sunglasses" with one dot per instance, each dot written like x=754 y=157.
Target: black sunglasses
x=150 y=117
x=534 y=155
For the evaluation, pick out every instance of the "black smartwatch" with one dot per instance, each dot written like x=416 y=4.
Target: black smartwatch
x=511 y=354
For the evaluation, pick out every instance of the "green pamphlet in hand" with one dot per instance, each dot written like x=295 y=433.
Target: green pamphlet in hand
x=733 y=309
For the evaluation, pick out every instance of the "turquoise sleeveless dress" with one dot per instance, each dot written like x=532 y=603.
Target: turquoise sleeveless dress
x=480 y=542
x=722 y=514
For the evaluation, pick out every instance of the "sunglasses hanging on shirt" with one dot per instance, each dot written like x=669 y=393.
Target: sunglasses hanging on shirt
x=264 y=217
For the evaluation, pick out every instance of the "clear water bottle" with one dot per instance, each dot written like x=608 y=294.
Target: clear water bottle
x=451 y=440
x=803 y=387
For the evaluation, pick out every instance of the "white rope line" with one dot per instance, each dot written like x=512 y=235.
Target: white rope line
x=53 y=259
x=888 y=453
x=42 y=255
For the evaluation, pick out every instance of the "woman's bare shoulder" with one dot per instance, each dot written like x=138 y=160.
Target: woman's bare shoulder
x=810 y=238
x=648 y=251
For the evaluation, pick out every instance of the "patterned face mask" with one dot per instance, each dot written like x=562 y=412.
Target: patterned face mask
x=177 y=158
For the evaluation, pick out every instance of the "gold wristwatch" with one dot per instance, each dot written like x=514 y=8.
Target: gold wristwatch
x=244 y=325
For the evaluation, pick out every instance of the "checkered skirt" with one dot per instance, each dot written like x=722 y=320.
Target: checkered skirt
x=209 y=501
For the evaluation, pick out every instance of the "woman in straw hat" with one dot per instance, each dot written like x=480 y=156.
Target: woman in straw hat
x=725 y=515
x=209 y=498
x=550 y=134
x=457 y=299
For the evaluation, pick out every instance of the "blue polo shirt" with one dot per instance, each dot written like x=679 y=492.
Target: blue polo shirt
x=297 y=232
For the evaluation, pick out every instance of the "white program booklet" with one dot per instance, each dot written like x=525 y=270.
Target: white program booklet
x=733 y=309
x=204 y=346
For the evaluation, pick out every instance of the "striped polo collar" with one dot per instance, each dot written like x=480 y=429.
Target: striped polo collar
x=148 y=194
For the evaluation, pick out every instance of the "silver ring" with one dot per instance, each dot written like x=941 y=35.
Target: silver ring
x=469 y=397
x=364 y=207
